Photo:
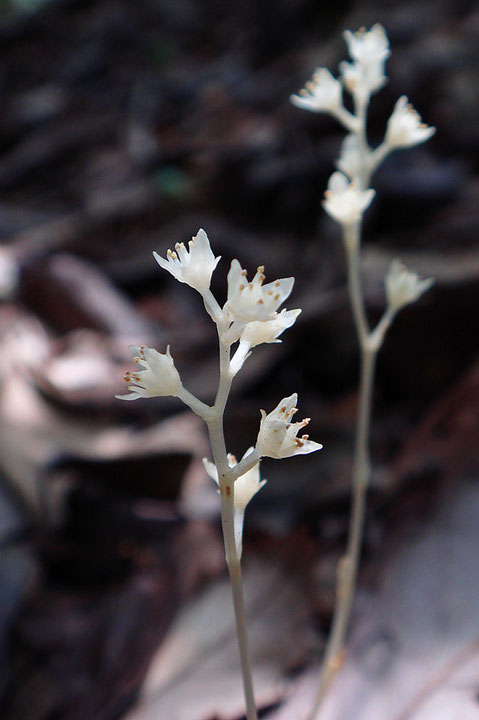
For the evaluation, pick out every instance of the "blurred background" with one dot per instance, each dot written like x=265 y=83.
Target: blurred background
x=125 y=127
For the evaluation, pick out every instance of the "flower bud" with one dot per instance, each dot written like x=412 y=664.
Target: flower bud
x=403 y=286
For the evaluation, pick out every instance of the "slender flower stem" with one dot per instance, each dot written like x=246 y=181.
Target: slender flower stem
x=361 y=112
x=226 y=480
x=352 y=239
x=348 y=565
x=240 y=616
x=246 y=464
x=198 y=407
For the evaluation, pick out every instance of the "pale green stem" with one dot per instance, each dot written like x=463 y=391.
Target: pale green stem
x=376 y=338
x=346 y=118
x=378 y=156
x=364 y=149
x=198 y=407
x=245 y=464
x=352 y=239
x=212 y=307
x=348 y=566
x=232 y=553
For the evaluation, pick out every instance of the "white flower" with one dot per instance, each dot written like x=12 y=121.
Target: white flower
x=246 y=486
x=362 y=80
x=322 y=93
x=195 y=267
x=277 y=437
x=403 y=286
x=253 y=301
x=156 y=377
x=369 y=49
x=405 y=127
x=344 y=202
x=350 y=160
x=256 y=333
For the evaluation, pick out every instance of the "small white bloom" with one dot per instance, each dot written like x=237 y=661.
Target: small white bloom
x=405 y=127
x=256 y=333
x=277 y=437
x=156 y=377
x=368 y=47
x=361 y=80
x=350 y=160
x=321 y=94
x=344 y=202
x=246 y=486
x=252 y=301
x=403 y=286
x=195 y=267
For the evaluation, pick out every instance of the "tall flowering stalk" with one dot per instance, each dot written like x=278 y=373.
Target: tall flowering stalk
x=346 y=199
x=249 y=318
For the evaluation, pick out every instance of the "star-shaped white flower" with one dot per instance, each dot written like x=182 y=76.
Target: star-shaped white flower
x=405 y=127
x=403 y=286
x=277 y=437
x=252 y=301
x=195 y=267
x=321 y=94
x=368 y=47
x=157 y=375
x=344 y=201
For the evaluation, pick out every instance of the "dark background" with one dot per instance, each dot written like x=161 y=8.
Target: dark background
x=124 y=127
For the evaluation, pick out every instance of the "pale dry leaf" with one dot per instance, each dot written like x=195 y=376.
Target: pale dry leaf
x=414 y=650
x=33 y=434
x=196 y=672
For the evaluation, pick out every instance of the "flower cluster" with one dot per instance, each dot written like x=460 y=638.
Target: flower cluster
x=347 y=198
x=249 y=317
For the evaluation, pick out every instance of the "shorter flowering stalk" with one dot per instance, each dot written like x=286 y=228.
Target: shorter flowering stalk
x=249 y=318
x=346 y=199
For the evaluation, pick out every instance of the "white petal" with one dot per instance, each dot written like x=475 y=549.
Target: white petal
x=130 y=396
